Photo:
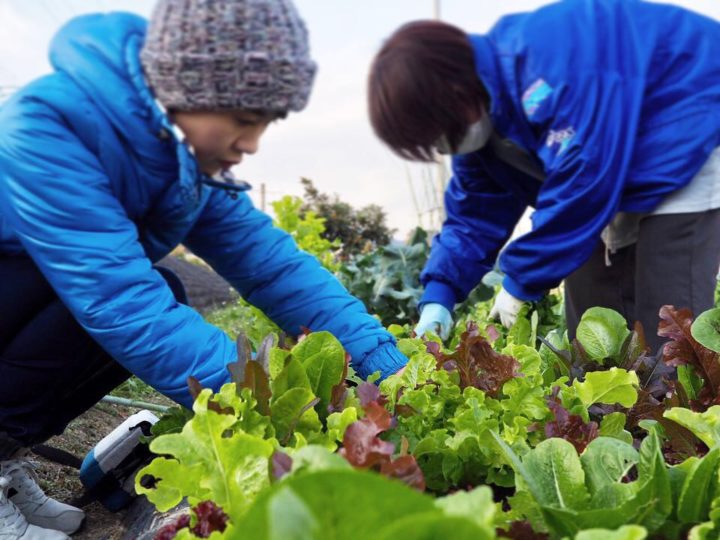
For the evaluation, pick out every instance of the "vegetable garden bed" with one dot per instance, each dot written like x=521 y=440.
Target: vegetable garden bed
x=517 y=434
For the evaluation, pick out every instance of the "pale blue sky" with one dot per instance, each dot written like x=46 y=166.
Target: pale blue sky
x=331 y=141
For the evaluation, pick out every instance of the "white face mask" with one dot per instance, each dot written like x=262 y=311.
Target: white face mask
x=475 y=138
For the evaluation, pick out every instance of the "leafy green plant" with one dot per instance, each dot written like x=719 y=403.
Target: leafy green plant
x=602 y=333
x=357 y=230
x=602 y=340
x=555 y=432
x=447 y=403
x=307 y=229
x=706 y=329
x=242 y=437
x=685 y=350
x=243 y=318
x=324 y=505
x=204 y=463
x=387 y=280
x=627 y=532
x=705 y=426
x=535 y=319
x=564 y=493
x=696 y=388
x=610 y=484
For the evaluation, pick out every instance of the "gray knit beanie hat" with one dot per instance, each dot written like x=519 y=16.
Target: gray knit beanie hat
x=228 y=54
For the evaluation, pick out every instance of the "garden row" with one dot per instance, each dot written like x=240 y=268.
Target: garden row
x=497 y=433
x=518 y=434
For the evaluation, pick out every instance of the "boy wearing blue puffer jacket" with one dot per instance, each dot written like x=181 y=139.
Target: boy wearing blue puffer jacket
x=106 y=165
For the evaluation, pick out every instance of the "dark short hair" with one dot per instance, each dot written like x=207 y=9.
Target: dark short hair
x=423 y=85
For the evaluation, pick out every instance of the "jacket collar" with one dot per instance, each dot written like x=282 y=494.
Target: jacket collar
x=101 y=53
x=498 y=72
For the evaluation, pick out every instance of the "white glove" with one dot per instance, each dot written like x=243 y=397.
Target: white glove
x=434 y=318
x=506 y=308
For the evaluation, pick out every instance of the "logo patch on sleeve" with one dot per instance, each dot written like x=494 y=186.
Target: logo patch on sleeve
x=535 y=94
x=561 y=138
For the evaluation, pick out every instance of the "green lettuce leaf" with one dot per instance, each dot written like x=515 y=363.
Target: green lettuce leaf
x=699 y=489
x=706 y=329
x=293 y=412
x=323 y=358
x=628 y=532
x=325 y=505
x=606 y=461
x=705 y=425
x=602 y=332
x=613 y=425
x=612 y=386
x=430 y=526
x=338 y=422
x=476 y=505
x=207 y=461
x=572 y=494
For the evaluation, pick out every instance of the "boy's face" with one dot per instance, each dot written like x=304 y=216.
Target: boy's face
x=221 y=138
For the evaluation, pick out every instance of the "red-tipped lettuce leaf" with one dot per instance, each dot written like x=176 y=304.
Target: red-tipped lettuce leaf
x=570 y=427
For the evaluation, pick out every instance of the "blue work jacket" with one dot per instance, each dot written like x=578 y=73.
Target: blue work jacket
x=618 y=103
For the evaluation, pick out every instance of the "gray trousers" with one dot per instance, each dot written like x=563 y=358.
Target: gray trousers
x=675 y=261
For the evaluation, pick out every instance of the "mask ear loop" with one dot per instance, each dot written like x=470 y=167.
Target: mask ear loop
x=476 y=137
x=442 y=146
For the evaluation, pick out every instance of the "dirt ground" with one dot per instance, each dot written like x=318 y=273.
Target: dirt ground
x=63 y=484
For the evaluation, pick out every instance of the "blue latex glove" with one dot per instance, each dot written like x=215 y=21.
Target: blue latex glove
x=434 y=318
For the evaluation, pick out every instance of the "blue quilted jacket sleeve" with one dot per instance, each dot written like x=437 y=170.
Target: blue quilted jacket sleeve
x=264 y=264
x=481 y=215
x=60 y=205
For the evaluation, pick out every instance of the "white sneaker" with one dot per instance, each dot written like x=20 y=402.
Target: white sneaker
x=14 y=526
x=38 y=509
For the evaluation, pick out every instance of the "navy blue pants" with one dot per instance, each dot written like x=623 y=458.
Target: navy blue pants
x=51 y=370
